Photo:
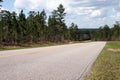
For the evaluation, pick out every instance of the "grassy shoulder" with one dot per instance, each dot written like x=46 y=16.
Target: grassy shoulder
x=24 y=46
x=107 y=65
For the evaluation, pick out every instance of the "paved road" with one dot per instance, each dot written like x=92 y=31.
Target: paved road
x=66 y=62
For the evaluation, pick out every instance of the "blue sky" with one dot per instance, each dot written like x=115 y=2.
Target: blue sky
x=8 y=4
x=85 y=13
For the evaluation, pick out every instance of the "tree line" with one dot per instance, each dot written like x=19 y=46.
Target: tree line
x=16 y=29
x=36 y=28
x=105 y=33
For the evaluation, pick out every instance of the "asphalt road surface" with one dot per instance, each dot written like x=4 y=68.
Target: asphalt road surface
x=65 y=62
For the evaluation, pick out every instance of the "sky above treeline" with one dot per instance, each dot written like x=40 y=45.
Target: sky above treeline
x=84 y=13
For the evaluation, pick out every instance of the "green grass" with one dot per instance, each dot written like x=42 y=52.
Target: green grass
x=107 y=65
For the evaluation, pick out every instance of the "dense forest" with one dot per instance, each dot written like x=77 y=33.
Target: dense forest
x=105 y=33
x=36 y=27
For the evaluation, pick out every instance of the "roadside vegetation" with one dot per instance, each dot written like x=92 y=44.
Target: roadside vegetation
x=2 y=48
x=36 y=28
x=105 y=33
x=107 y=65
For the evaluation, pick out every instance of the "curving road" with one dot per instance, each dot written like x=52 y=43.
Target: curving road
x=65 y=62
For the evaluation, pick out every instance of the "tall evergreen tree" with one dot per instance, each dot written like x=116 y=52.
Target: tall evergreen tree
x=74 y=32
x=7 y=27
x=52 y=29
x=41 y=28
x=1 y=28
x=57 y=23
x=116 y=31
x=30 y=27
x=22 y=26
x=14 y=23
x=106 y=32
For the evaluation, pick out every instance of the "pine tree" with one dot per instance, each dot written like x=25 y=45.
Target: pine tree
x=116 y=31
x=14 y=23
x=30 y=27
x=43 y=28
x=57 y=23
x=7 y=27
x=74 y=32
x=21 y=26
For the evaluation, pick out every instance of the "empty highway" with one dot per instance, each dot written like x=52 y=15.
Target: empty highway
x=64 y=62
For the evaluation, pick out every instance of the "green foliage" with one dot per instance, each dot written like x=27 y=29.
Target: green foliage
x=74 y=31
x=21 y=27
x=17 y=30
x=106 y=33
x=57 y=25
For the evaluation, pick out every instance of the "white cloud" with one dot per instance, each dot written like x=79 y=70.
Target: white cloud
x=116 y=16
x=95 y=13
x=2 y=8
x=85 y=9
x=53 y=4
x=28 y=4
x=78 y=7
x=40 y=4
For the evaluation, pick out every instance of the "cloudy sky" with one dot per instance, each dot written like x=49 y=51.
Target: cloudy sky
x=85 y=13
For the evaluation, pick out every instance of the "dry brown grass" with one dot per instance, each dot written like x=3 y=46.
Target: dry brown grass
x=107 y=65
x=113 y=50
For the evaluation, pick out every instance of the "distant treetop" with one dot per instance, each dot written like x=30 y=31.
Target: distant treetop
x=1 y=0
